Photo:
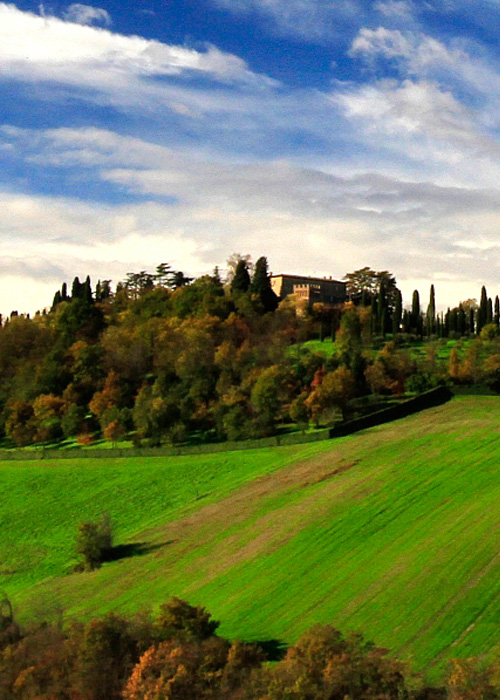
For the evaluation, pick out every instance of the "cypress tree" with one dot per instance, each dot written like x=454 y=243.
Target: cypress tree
x=415 y=312
x=430 y=317
x=64 y=292
x=447 y=327
x=260 y=286
x=76 y=289
x=398 y=310
x=86 y=291
x=57 y=299
x=461 y=320
x=496 y=317
x=241 y=280
x=482 y=311
x=489 y=311
x=471 y=320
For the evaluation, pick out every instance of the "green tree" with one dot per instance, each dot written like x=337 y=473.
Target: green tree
x=94 y=542
x=415 y=315
x=482 y=313
x=269 y=394
x=260 y=287
x=365 y=283
x=430 y=316
x=179 y=619
x=349 y=336
x=163 y=274
x=398 y=313
x=76 y=289
x=241 y=279
x=79 y=320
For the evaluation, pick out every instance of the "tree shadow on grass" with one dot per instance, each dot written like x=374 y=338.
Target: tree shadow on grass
x=133 y=549
x=274 y=649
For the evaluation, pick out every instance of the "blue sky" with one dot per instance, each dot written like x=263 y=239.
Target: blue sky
x=324 y=134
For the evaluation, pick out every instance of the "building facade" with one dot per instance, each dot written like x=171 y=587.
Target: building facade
x=310 y=289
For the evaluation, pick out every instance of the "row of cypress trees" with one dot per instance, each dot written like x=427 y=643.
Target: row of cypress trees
x=387 y=315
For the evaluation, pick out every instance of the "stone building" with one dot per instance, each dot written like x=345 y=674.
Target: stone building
x=310 y=289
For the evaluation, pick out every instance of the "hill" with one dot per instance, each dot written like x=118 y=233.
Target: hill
x=392 y=531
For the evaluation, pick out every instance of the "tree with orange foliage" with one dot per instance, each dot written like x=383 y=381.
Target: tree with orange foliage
x=324 y=664
x=179 y=671
x=108 y=397
x=337 y=388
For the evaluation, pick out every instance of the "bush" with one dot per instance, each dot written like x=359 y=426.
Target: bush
x=94 y=543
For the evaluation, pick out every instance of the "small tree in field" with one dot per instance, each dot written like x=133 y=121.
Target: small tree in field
x=94 y=542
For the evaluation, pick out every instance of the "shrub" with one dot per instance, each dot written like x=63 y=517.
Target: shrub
x=94 y=543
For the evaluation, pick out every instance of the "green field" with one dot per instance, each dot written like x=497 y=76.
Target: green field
x=393 y=531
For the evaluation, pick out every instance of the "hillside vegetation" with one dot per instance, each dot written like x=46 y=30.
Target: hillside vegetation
x=392 y=531
x=167 y=360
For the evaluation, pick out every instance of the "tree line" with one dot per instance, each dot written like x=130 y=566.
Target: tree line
x=177 y=655
x=163 y=357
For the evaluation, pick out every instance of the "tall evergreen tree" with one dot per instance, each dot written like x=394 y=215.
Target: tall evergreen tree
x=489 y=311
x=64 y=292
x=430 y=317
x=482 y=312
x=241 y=280
x=461 y=320
x=416 y=321
x=76 y=288
x=260 y=286
x=86 y=291
x=447 y=323
x=396 y=316
x=57 y=299
x=496 y=317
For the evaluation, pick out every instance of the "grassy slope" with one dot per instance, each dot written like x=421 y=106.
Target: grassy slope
x=393 y=531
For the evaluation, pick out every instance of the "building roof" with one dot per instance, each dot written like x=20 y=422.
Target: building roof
x=309 y=279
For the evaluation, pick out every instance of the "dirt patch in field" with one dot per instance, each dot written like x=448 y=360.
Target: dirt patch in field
x=260 y=517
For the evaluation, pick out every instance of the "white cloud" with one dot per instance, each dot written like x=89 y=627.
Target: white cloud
x=419 y=110
x=308 y=19
x=86 y=14
x=35 y=48
x=330 y=223
x=395 y=9
x=442 y=109
x=456 y=63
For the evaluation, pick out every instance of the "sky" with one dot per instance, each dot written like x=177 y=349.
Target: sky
x=326 y=135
